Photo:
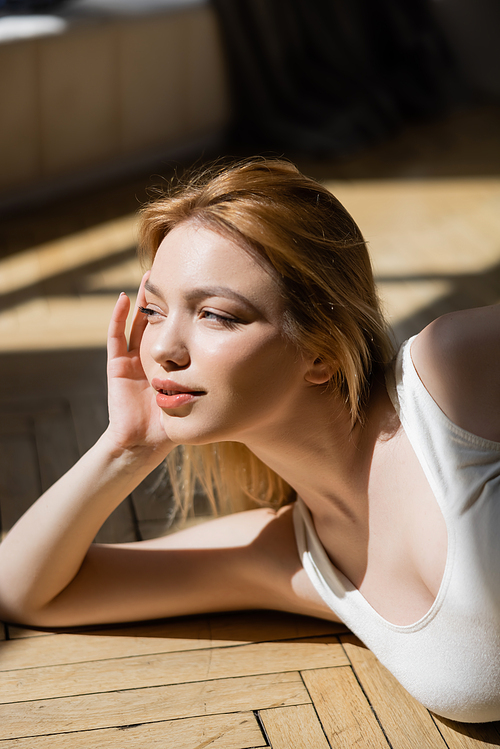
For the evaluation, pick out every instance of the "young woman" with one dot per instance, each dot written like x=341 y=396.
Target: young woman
x=259 y=347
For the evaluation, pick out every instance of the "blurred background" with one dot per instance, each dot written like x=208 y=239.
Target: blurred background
x=395 y=105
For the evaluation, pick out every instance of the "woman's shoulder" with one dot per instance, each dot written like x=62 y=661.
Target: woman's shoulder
x=457 y=358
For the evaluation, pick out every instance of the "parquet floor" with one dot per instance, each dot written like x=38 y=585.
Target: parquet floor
x=234 y=681
x=429 y=204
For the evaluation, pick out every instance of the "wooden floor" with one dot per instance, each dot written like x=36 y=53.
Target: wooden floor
x=231 y=681
x=428 y=202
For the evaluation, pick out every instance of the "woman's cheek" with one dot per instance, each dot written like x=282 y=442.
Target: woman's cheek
x=145 y=350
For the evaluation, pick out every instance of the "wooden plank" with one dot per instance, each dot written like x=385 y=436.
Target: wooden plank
x=154 y=505
x=19 y=476
x=153 y=498
x=295 y=727
x=120 y=526
x=56 y=442
x=59 y=374
x=407 y=724
x=38 y=444
x=232 y=731
x=258 y=626
x=152 y=528
x=469 y=735
x=134 y=706
x=169 y=668
x=194 y=634
x=343 y=709
x=90 y=418
x=14 y=421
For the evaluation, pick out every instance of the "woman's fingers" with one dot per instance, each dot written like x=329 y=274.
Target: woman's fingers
x=117 y=341
x=140 y=320
x=137 y=329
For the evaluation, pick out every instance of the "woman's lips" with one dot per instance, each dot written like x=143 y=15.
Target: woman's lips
x=177 y=400
x=170 y=394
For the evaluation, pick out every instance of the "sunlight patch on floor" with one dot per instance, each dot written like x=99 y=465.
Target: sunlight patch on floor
x=63 y=322
x=42 y=263
x=425 y=235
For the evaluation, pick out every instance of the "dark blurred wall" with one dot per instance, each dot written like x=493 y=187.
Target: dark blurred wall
x=326 y=76
x=472 y=28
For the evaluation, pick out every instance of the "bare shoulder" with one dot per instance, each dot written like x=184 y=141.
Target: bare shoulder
x=457 y=357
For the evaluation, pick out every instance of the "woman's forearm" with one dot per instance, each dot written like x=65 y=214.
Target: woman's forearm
x=44 y=551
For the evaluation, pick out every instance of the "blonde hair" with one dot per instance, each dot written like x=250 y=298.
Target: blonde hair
x=318 y=253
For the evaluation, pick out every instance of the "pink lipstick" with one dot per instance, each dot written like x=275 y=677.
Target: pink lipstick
x=170 y=394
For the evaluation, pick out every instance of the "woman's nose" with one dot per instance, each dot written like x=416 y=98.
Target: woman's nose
x=169 y=348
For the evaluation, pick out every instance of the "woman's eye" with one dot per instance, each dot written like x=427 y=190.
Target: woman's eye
x=228 y=322
x=151 y=313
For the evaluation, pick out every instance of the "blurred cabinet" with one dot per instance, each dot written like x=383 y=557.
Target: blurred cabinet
x=106 y=90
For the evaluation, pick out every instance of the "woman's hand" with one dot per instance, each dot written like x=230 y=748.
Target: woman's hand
x=135 y=419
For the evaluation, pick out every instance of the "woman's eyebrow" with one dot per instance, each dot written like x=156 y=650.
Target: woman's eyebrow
x=219 y=291
x=205 y=293
x=148 y=286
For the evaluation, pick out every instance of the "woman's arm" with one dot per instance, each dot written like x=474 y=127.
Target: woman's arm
x=457 y=358
x=44 y=551
x=242 y=561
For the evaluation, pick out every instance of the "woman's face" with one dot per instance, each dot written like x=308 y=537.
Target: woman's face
x=213 y=348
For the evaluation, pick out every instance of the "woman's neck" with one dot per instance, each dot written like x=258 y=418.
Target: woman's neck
x=322 y=456
x=336 y=469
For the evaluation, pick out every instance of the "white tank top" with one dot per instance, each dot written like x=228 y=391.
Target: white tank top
x=449 y=659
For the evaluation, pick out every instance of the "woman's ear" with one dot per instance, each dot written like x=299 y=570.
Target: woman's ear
x=319 y=372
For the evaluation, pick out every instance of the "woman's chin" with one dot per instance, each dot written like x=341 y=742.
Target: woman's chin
x=180 y=433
